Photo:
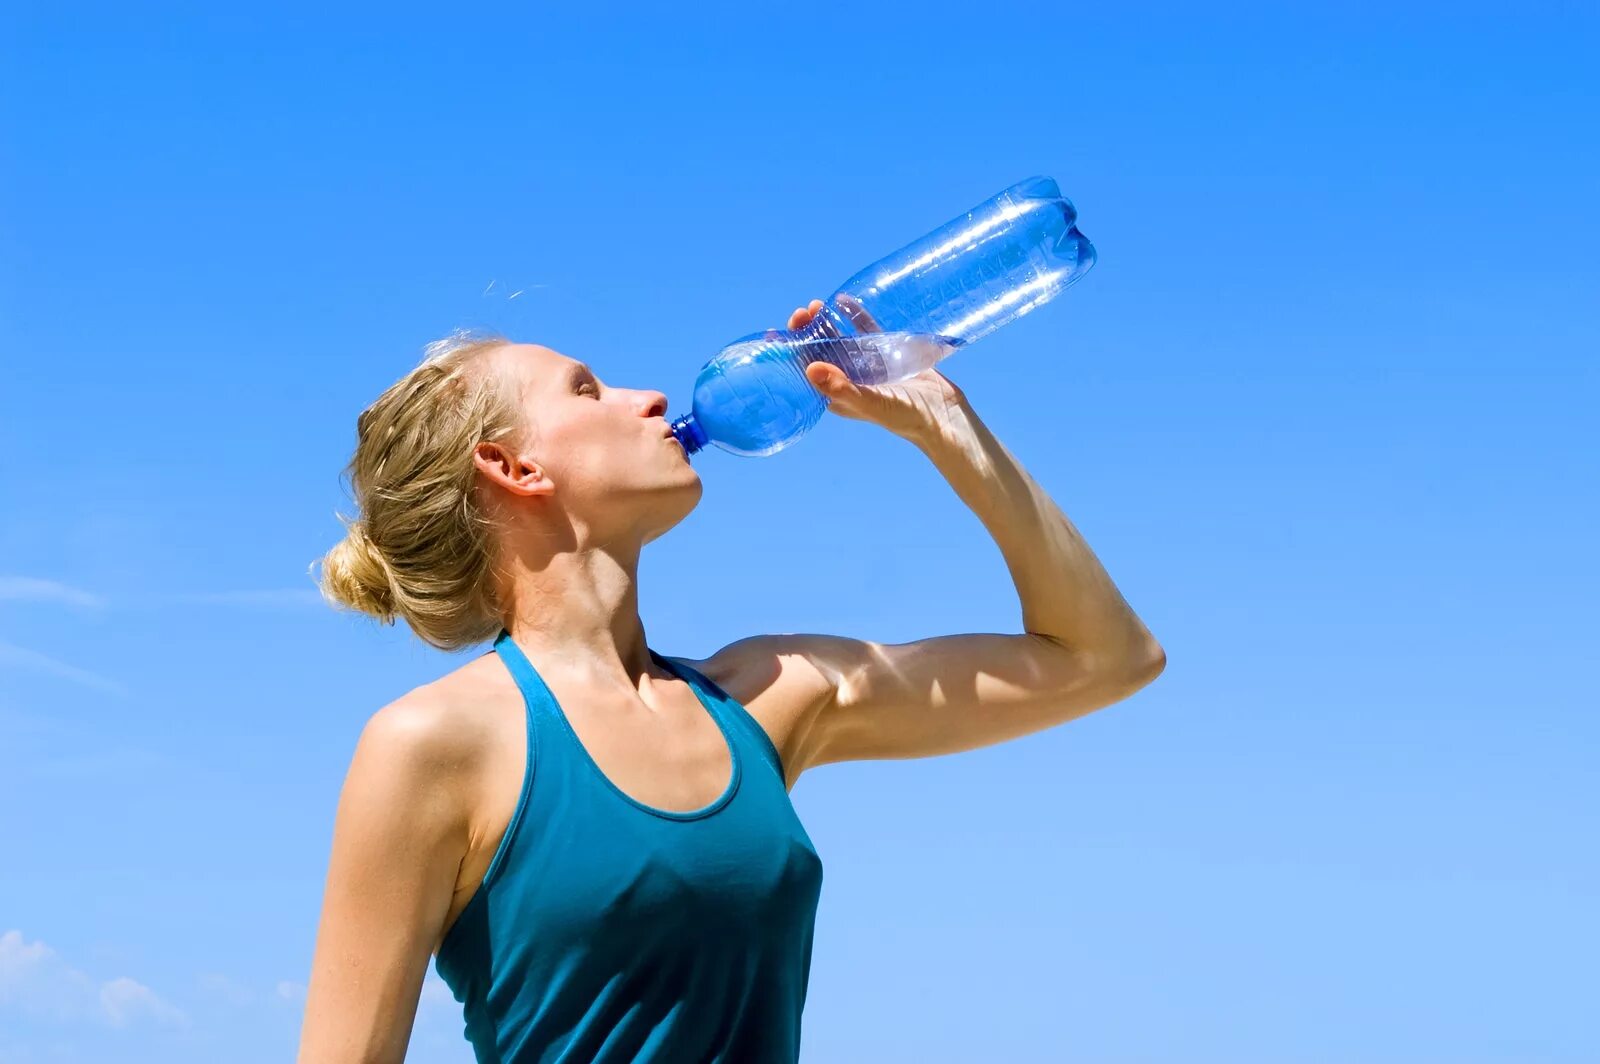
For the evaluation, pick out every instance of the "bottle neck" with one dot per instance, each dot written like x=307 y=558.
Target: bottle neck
x=829 y=324
x=690 y=436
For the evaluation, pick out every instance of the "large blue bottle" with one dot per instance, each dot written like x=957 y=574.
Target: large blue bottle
x=895 y=318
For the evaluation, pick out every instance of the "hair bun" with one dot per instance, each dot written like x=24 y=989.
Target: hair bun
x=355 y=576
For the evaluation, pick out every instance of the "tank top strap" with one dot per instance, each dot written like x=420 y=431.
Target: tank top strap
x=734 y=717
x=539 y=702
x=527 y=677
x=536 y=695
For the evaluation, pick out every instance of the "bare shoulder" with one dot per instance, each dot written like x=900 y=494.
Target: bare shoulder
x=437 y=735
x=401 y=832
x=433 y=723
x=785 y=682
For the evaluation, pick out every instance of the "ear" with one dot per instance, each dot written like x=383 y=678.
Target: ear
x=517 y=473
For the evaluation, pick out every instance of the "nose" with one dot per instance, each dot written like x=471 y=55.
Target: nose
x=653 y=404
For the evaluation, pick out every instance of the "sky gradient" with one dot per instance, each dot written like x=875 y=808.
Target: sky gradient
x=1319 y=409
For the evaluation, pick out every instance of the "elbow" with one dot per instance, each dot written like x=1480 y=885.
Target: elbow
x=1150 y=662
x=1134 y=666
x=1120 y=668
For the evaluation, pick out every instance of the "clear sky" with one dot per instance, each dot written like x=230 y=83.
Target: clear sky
x=1323 y=408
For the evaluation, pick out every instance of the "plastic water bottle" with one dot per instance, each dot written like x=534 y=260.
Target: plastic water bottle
x=899 y=316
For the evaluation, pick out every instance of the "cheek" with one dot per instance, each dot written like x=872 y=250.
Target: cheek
x=594 y=453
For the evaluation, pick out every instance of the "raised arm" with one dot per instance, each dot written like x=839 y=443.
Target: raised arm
x=1081 y=647
x=398 y=838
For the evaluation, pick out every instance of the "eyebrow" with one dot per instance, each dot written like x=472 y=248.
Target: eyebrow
x=578 y=374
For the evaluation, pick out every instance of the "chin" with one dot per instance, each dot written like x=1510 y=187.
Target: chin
x=672 y=505
x=690 y=494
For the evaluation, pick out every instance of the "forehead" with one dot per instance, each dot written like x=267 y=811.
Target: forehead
x=538 y=368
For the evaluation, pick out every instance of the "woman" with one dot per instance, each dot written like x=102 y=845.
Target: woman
x=596 y=840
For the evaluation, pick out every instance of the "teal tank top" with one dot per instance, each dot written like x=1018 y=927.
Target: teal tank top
x=608 y=930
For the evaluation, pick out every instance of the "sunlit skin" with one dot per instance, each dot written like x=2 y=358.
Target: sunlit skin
x=598 y=463
x=436 y=774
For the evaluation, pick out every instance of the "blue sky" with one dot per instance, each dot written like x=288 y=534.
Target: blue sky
x=1320 y=409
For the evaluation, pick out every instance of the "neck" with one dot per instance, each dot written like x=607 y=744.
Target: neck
x=579 y=611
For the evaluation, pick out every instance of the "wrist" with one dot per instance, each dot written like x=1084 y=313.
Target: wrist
x=954 y=425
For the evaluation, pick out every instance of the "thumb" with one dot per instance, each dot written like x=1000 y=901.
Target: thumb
x=828 y=379
x=846 y=396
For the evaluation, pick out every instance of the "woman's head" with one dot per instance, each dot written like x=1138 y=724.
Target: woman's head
x=486 y=451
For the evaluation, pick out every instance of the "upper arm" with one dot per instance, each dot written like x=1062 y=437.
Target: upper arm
x=845 y=699
x=398 y=839
x=951 y=693
x=780 y=680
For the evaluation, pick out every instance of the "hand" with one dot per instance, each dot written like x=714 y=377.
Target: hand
x=916 y=408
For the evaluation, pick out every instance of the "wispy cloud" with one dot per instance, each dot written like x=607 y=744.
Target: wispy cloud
x=34 y=589
x=53 y=592
x=229 y=990
x=434 y=991
x=36 y=982
x=234 y=993
x=269 y=597
x=25 y=589
x=21 y=657
x=124 y=1002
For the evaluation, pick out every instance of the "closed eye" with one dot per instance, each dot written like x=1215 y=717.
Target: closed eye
x=582 y=381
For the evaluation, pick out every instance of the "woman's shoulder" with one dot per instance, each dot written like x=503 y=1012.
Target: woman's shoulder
x=783 y=681
x=794 y=670
x=447 y=726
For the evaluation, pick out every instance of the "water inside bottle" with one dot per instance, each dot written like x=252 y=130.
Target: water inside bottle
x=866 y=358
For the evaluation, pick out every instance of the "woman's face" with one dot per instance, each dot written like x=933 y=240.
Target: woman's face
x=607 y=450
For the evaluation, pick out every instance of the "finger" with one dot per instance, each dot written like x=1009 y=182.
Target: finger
x=825 y=324
x=857 y=314
x=802 y=315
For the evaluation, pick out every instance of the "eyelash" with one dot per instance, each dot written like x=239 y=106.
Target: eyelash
x=588 y=386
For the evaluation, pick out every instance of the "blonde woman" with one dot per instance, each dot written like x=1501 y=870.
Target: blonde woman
x=595 y=840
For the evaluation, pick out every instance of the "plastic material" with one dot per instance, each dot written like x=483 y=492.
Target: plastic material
x=899 y=316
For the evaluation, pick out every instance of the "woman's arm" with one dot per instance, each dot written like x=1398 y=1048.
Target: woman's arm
x=398 y=839
x=1082 y=646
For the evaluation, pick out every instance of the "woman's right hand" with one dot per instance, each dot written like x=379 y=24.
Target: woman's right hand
x=917 y=408
x=857 y=314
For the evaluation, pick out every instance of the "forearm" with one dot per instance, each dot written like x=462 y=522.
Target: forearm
x=1066 y=594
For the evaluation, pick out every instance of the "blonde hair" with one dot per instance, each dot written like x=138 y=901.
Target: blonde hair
x=420 y=548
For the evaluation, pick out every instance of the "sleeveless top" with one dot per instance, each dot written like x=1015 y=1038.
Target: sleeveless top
x=609 y=930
